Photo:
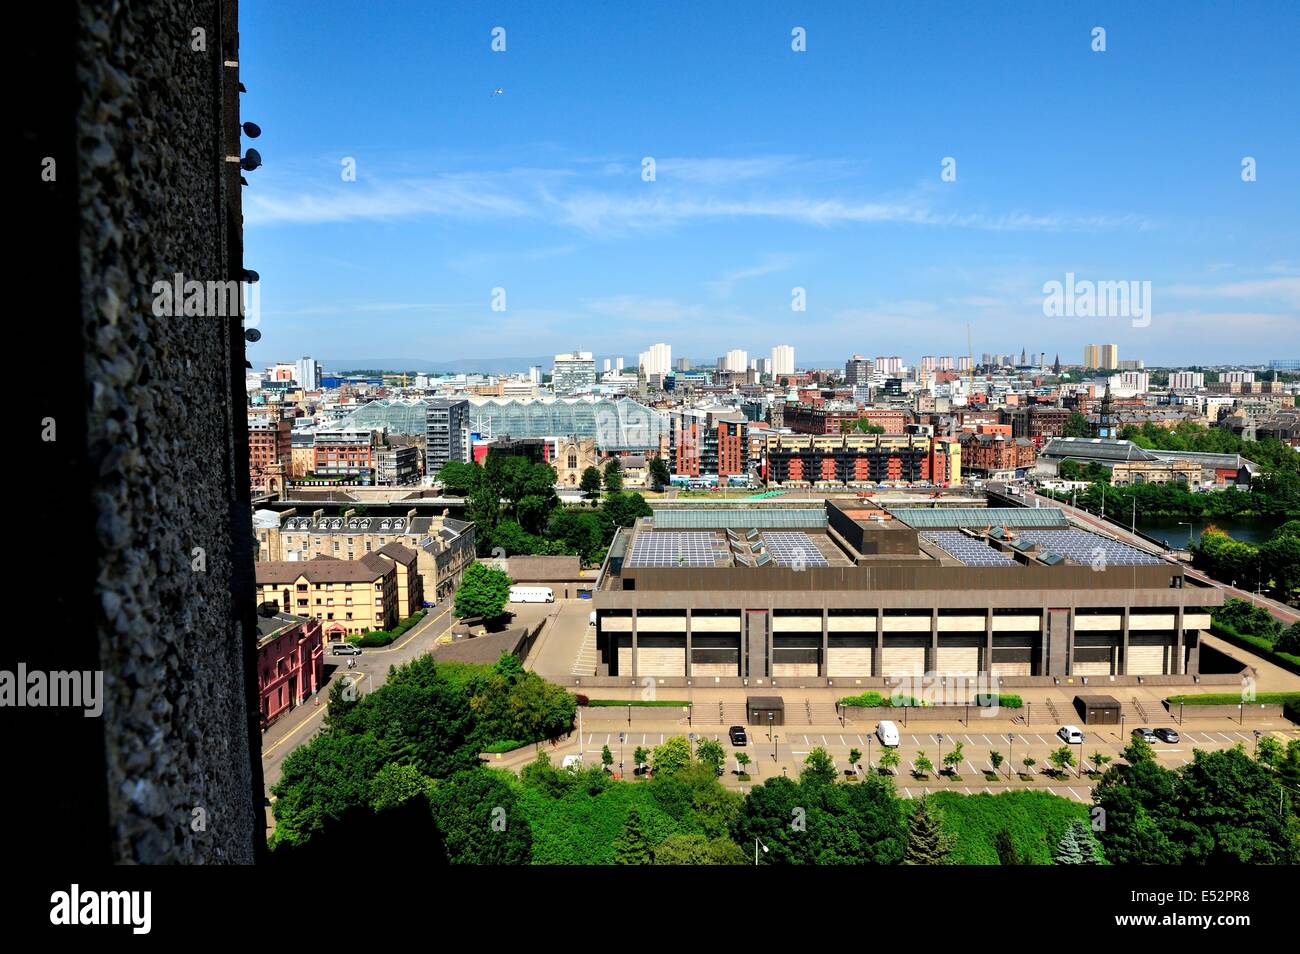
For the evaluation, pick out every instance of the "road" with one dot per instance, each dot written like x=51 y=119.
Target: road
x=299 y=725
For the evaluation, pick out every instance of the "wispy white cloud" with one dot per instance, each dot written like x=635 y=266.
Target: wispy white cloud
x=777 y=188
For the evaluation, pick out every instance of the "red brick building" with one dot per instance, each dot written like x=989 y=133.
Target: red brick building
x=270 y=453
x=991 y=453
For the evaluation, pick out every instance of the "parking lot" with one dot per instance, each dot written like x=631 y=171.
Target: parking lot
x=784 y=751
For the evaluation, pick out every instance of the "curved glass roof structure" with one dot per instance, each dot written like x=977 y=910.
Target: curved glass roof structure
x=619 y=424
x=398 y=416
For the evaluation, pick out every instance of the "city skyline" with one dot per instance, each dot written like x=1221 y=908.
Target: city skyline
x=761 y=187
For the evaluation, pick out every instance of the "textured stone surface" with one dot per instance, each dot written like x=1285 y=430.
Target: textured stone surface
x=160 y=441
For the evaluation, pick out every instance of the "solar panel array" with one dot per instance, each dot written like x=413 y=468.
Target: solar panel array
x=678 y=549
x=1080 y=546
x=793 y=549
x=968 y=550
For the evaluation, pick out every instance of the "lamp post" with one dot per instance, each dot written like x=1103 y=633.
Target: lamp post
x=1011 y=749
x=1257 y=735
x=758 y=843
x=1184 y=523
x=769 y=726
x=776 y=739
x=939 y=763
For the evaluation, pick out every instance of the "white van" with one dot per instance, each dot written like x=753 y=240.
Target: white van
x=1071 y=734
x=887 y=733
x=572 y=762
x=532 y=594
x=591 y=619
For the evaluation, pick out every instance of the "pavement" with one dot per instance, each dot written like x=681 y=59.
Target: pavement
x=784 y=750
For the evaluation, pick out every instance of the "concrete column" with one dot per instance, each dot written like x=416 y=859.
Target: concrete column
x=633 y=673
x=1044 y=666
x=771 y=640
x=1123 y=642
x=1177 y=668
x=689 y=644
x=932 y=663
x=823 y=663
x=878 y=657
x=988 y=643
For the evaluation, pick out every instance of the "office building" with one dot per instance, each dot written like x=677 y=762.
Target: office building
x=347 y=454
x=857 y=371
x=574 y=373
x=446 y=434
x=798 y=595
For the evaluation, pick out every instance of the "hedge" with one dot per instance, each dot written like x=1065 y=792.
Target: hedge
x=1234 y=698
x=875 y=700
x=639 y=703
x=1007 y=701
x=382 y=637
x=506 y=745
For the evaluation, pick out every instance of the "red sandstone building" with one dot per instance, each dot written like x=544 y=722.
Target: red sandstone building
x=290 y=661
x=986 y=453
x=270 y=453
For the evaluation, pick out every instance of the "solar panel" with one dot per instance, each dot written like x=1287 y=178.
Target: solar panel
x=677 y=549
x=967 y=550
x=790 y=548
x=1080 y=546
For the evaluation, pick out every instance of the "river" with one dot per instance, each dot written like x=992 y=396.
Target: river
x=1247 y=530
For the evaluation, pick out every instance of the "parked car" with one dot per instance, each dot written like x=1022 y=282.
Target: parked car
x=887 y=733
x=1166 y=735
x=1070 y=734
x=572 y=762
x=737 y=735
x=1146 y=735
x=344 y=649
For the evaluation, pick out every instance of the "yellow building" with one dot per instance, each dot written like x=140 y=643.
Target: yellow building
x=349 y=597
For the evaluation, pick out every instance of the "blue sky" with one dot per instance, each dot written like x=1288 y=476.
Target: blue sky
x=774 y=169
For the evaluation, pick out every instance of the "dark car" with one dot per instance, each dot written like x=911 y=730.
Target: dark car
x=1166 y=735
x=737 y=735
x=1146 y=735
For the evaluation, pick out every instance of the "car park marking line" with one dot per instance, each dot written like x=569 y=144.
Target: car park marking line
x=607 y=737
x=1074 y=793
x=1225 y=737
x=986 y=740
x=969 y=740
x=1243 y=735
x=968 y=791
x=987 y=790
x=972 y=768
x=842 y=742
x=1040 y=740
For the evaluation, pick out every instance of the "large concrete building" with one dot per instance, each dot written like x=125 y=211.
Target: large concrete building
x=851 y=595
x=446 y=436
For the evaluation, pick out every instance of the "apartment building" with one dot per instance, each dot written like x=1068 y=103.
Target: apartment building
x=348 y=597
x=855 y=459
x=443 y=547
x=349 y=454
x=270 y=453
x=290 y=661
x=446 y=435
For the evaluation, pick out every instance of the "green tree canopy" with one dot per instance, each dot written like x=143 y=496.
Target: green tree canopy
x=483 y=591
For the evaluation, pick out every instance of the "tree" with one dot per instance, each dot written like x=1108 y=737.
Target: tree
x=673 y=754
x=889 y=760
x=659 y=475
x=483 y=592
x=479 y=819
x=459 y=478
x=632 y=847
x=927 y=842
x=623 y=510
x=819 y=768
x=1289 y=641
x=710 y=752
x=641 y=756
x=1076 y=846
x=606 y=757
x=1005 y=846
x=698 y=849
x=1076 y=425
x=614 y=476
x=1029 y=762
x=923 y=765
x=396 y=784
x=1099 y=761
x=996 y=759
x=855 y=756
x=589 y=483
x=1062 y=758
x=953 y=759
x=743 y=760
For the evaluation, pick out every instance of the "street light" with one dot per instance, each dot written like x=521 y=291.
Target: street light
x=868 y=754
x=758 y=843
x=939 y=736
x=769 y=726
x=775 y=740
x=1257 y=735
x=1184 y=523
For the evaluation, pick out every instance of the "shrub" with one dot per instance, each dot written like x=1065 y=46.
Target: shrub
x=580 y=699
